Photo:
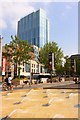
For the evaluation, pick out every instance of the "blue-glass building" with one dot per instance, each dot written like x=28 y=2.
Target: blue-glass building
x=34 y=28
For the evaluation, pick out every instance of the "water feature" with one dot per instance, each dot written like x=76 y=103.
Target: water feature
x=36 y=103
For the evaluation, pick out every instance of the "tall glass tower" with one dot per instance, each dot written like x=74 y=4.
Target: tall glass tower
x=34 y=28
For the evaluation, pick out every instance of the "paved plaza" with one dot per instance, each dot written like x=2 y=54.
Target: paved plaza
x=37 y=102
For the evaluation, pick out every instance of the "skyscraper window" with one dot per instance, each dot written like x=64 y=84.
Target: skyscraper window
x=34 y=28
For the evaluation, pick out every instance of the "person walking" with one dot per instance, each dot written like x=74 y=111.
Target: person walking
x=30 y=82
x=6 y=79
x=10 y=82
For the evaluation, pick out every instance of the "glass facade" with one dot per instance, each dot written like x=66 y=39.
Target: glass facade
x=27 y=67
x=34 y=28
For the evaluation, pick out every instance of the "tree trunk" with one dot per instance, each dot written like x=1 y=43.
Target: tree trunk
x=19 y=68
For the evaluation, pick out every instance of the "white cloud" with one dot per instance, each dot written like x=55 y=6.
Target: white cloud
x=18 y=1
x=3 y=24
x=46 y=1
x=13 y=11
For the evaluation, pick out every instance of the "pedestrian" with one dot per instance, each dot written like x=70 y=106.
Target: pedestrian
x=10 y=82
x=5 y=83
x=59 y=79
x=30 y=82
x=6 y=80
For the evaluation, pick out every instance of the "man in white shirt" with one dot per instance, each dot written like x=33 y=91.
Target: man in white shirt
x=9 y=82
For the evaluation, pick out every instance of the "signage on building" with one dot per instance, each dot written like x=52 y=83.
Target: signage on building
x=53 y=61
x=3 y=66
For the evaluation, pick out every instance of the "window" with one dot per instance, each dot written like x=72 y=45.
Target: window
x=23 y=63
x=27 y=67
x=41 y=69
x=32 y=70
x=37 y=66
x=32 y=65
x=23 y=69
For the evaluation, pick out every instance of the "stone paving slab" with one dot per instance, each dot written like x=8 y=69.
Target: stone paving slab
x=59 y=103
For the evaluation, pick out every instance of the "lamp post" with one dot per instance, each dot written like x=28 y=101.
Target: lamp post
x=30 y=74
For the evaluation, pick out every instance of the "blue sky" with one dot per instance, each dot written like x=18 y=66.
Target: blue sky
x=63 y=17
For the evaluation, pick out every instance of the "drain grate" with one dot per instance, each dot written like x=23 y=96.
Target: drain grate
x=67 y=97
x=23 y=95
x=44 y=92
x=45 y=96
x=45 y=105
x=17 y=103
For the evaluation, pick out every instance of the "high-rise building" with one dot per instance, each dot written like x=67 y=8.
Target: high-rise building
x=34 y=28
x=79 y=27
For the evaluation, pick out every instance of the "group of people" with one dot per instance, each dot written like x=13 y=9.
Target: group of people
x=8 y=81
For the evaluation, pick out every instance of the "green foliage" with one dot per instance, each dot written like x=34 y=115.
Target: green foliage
x=68 y=68
x=67 y=65
x=60 y=70
x=78 y=66
x=54 y=48
x=18 y=51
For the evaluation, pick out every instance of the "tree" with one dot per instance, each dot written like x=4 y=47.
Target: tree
x=67 y=65
x=60 y=70
x=78 y=67
x=44 y=54
x=18 y=52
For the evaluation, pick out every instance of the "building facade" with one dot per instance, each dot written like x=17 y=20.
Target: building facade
x=79 y=27
x=0 y=55
x=33 y=66
x=75 y=64
x=7 y=66
x=34 y=28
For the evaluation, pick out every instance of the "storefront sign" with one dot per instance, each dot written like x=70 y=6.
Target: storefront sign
x=3 y=66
